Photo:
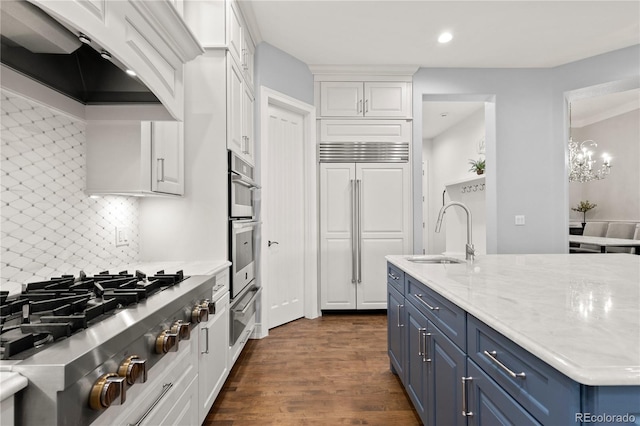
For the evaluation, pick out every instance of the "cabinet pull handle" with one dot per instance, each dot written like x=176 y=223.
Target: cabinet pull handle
x=393 y=277
x=492 y=356
x=433 y=308
x=359 y=236
x=366 y=106
x=354 y=255
x=399 y=324
x=165 y=389
x=161 y=168
x=360 y=106
x=425 y=357
x=465 y=413
x=421 y=335
x=206 y=330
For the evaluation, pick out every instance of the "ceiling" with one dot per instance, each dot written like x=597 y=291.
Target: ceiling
x=591 y=110
x=440 y=116
x=500 y=34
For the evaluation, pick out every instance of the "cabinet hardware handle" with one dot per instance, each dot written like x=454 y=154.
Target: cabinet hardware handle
x=206 y=330
x=465 y=413
x=366 y=106
x=359 y=236
x=421 y=335
x=419 y=297
x=393 y=277
x=354 y=258
x=493 y=357
x=360 y=106
x=161 y=168
x=400 y=307
x=425 y=357
x=165 y=389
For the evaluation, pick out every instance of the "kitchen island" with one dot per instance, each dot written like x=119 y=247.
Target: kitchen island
x=570 y=323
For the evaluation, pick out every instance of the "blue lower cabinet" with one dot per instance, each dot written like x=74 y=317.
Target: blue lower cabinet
x=395 y=331
x=486 y=403
x=416 y=361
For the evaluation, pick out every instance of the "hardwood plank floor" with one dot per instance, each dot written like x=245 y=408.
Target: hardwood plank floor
x=327 y=371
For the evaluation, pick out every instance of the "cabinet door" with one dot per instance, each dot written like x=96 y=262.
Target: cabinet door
x=248 y=54
x=167 y=153
x=213 y=357
x=447 y=367
x=337 y=274
x=384 y=226
x=490 y=404
x=395 y=331
x=416 y=360
x=386 y=99
x=235 y=94
x=235 y=29
x=247 y=125
x=341 y=99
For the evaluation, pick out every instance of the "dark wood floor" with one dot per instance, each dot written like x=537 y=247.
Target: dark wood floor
x=327 y=371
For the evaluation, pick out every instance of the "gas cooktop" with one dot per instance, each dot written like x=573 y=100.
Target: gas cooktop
x=47 y=311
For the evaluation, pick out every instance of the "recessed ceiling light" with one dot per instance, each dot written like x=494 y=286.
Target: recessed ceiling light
x=83 y=38
x=444 y=114
x=105 y=55
x=445 y=37
x=132 y=73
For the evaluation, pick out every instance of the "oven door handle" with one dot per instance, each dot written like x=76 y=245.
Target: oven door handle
x=239 y=224
x=246 y=306
x=244 y=181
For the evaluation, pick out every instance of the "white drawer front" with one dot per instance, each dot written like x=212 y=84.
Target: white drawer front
x=365 y=131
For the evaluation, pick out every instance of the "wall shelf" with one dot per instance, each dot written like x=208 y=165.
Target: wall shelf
x=476 y=179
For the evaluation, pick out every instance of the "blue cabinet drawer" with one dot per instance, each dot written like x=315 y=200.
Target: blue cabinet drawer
x=448 y=317
x=395 y=278
x=550 y=396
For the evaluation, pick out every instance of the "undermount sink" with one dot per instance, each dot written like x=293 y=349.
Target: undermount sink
x=434 y=259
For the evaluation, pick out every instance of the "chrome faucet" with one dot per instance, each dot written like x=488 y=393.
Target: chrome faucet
x=470 y=251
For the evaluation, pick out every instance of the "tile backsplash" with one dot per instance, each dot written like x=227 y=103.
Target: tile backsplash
x=49 y=225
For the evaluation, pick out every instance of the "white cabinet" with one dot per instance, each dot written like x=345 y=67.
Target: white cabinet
x=240 y=102
x=235 y=25
x=247 y=125
x=214 y=356
x=135 y=158
x=385 y=99
x=365 y=130
x=365 y=215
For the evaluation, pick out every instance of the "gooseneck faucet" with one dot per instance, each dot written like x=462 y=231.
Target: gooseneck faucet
x=470 y=251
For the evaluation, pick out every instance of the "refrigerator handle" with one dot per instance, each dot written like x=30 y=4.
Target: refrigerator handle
x=354 y=256
x=359 y=234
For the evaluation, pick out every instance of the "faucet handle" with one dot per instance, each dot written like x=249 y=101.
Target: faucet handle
x=470 y=252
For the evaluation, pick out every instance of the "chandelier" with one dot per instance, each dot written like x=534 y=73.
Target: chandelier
x=582 y=166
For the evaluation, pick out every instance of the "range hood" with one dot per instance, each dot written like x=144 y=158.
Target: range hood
x=38 y=46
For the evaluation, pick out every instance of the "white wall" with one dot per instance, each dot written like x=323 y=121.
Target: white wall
x=529 y=148
x=618 y=195
x=448 y=161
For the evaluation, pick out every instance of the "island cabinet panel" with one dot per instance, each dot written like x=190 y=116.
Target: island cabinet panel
x=444 y=314
x=395 y=331
x=547 y=394
x=621 y=403
x=395 y=278
x=488 y=404
x=415 y=360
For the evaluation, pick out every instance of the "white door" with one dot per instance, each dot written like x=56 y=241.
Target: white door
x=283 y=197
x=386 y=99
x=167 y=153
x=235 y=139
x=385 y=218
x=337 y=244
x=341 y=99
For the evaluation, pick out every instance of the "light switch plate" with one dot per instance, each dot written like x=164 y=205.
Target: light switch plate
x=519 y=220
x=122 y=236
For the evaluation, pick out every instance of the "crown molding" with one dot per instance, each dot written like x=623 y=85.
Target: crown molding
x=246 y=8
x=391 y=70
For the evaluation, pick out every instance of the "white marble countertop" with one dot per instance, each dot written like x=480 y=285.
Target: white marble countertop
x=580 y=313
x=10 y=383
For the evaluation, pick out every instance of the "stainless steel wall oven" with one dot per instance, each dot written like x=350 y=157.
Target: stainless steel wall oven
x=242 y=237
x=241 y=188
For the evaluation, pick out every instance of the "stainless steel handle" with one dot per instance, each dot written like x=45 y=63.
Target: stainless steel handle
x=270 y=243
x=433 y=308
x=206 y=330
x=399 y=307
x=465 y=411
x=492 y=356
x=393 y=276
x=360 y=106
x=366 y=106
x=246 y=337
x=246 y=306
x=354 y=256
x=421 y=336
x=244 y=59
x=165 y=389
x=160 y=169
x=239 y=179
x=425 y=355
x=359 y=235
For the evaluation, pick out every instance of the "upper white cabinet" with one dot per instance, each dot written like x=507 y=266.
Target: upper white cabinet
x=148 y=37
x=384 y=99
x=135 y=158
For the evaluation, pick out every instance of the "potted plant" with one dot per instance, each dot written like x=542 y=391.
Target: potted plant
x=584 y=207
x=477 y=166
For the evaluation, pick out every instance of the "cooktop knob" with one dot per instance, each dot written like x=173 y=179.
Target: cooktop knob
x=108 y=389
x=199 y=314
x=166 y=341
x=210 y=306
x=132 y=369
x=182 y=329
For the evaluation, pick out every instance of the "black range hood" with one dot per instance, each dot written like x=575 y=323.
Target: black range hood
x=80 y=73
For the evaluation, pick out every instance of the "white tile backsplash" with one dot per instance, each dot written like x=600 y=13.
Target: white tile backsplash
x=48 y=225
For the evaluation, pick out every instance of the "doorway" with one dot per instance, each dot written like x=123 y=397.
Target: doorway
x=288 y=244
